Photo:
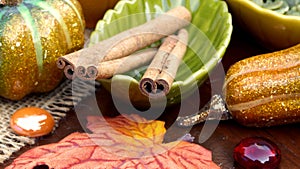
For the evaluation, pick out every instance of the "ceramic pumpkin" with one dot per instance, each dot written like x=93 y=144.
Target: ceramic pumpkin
x=33 y=34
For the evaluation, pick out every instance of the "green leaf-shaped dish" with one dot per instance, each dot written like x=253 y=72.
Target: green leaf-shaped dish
x=209 y=35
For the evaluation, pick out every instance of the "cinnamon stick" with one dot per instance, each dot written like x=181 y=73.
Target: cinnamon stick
x=161 y=73
x=148 y=81
x=118 y=66
x=123 y=44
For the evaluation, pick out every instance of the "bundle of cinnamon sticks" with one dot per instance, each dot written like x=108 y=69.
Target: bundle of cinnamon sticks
x=161 y=73
x=126 y=51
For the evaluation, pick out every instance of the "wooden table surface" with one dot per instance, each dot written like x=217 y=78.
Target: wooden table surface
x=226 y=135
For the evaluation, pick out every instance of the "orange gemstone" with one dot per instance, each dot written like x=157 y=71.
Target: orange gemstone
x=32 y=122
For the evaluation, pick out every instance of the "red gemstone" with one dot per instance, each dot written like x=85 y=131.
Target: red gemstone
x=257 y=153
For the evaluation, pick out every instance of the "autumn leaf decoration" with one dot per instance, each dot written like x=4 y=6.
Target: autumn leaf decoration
x=127 y=141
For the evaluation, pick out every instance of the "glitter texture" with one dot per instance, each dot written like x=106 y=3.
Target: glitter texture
x=57 y=28
x=264 y=90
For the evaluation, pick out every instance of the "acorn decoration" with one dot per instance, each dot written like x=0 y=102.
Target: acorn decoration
x=33 y=34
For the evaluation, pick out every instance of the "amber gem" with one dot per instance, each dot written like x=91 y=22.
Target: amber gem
x=257 y=152
x=32 y=122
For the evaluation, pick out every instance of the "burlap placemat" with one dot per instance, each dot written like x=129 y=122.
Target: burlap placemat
x=57 y=102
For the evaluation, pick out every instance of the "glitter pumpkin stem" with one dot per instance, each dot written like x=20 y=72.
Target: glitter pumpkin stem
x=215 y=109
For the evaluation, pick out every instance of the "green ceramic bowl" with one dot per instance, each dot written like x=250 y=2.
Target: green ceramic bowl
x=273 y=30
x=209 y=35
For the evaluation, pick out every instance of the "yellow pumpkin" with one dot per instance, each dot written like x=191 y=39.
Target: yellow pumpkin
x=33 y=34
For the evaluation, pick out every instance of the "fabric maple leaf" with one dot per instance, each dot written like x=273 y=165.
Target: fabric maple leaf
x=122 y=142
x=133 y=126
